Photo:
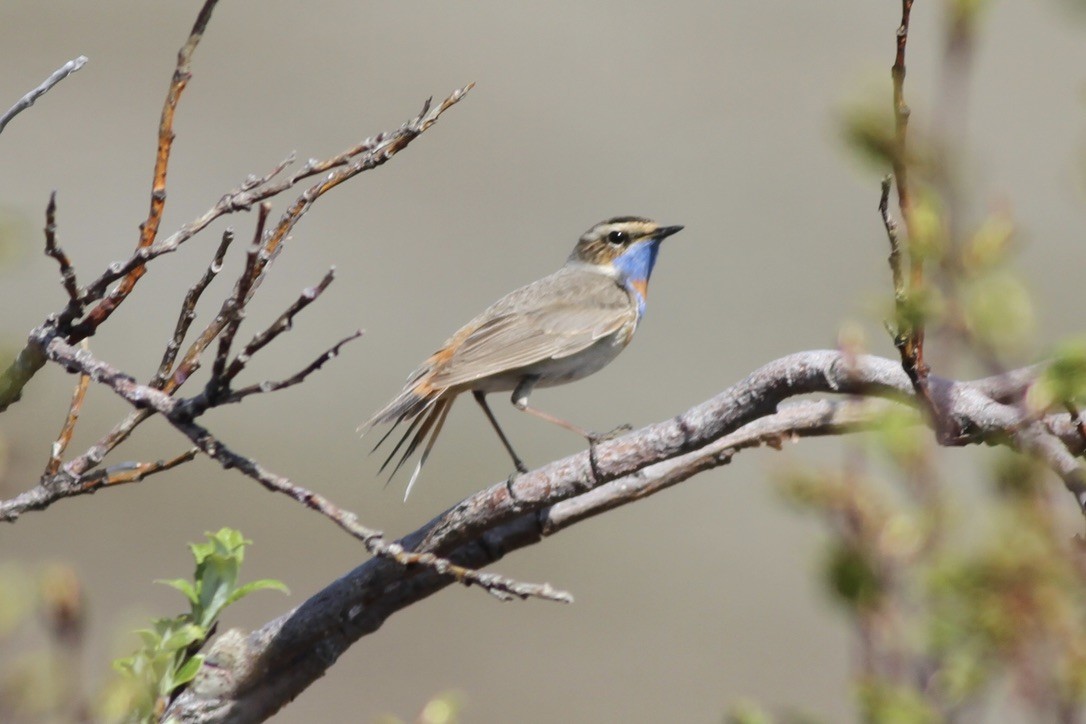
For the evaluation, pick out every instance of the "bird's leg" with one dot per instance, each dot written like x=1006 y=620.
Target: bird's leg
x=480 y=397
x=520 y=401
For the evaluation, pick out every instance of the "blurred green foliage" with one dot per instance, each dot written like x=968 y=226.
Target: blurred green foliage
x=1064 y=379
x=947 y=618
x=15 y=235
x=956 y=601
x=42 y=622
x=168 y=657
x=444 y=708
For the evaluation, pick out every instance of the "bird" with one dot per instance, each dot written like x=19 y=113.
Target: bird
x=555 y=330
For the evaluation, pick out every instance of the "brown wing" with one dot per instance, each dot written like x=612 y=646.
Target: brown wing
x=556 y=317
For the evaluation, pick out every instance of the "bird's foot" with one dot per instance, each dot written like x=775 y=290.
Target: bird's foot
x=511 y=480
x=595 y=438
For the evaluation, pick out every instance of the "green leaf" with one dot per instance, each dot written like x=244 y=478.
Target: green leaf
x=187 y=671
x=261 y=585
x=151 y=639
x=184 y=586
x=1064 y=379
x=183 y=637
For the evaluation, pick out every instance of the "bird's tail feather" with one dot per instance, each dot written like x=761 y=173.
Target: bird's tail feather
x=426 y=413
x=438 y=420
x=408 y=404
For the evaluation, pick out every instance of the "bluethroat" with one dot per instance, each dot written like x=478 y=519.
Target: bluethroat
x=556 y=330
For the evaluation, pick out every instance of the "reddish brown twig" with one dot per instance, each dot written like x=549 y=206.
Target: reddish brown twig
x=909 y=331
x=66 y=430
x=901 y=115
x=133 y=472
x=913 y=343
x=149 y=228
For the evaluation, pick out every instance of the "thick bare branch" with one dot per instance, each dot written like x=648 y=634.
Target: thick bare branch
x=272 y=665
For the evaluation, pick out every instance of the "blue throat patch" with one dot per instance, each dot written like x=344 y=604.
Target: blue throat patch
x=635 y=265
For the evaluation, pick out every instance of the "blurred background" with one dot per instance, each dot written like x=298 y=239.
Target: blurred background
x=724 y=117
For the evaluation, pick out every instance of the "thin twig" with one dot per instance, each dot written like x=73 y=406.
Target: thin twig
x=894 y=259
x=280 y=325
x=52 y=249
x=909 y=334
x=131 y=472
x=299 y=377
x=149 y=228
x=912 y=344
x=234 y=311
x=28 y=100
x=901 y=121
x=360 y=162
x=1036 y=440
x=188 y=310
x=66 y=430
x=370 y=153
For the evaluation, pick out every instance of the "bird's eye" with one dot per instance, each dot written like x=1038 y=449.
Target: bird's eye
x=618 y=237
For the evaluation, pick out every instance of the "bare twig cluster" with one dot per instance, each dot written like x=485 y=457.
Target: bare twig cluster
x=61 y=338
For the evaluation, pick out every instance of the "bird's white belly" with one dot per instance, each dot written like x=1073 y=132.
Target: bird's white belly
x=559 y=371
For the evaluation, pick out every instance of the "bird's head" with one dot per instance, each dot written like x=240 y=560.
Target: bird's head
x=624 y=247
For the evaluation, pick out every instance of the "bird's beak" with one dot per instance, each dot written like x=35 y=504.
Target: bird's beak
x=665 y=231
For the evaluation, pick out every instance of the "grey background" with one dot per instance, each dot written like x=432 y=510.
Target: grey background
x=720 y=116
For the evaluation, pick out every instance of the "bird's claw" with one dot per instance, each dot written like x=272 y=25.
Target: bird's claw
x=595 y=438
x=511 y=480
